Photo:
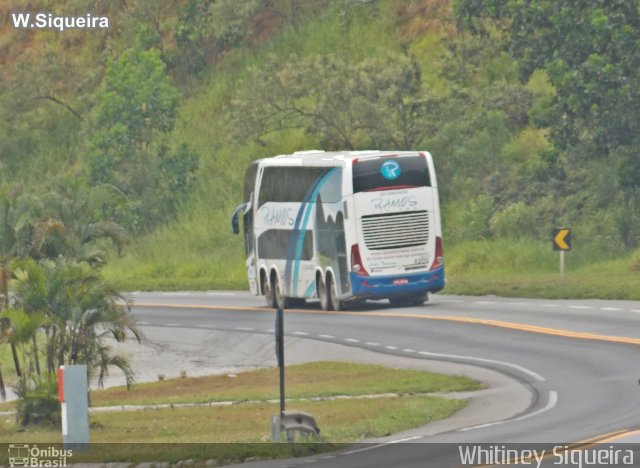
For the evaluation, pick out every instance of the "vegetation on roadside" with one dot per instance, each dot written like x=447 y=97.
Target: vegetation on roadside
x=248 y=420
x=316 y=379
x=340 y=421
x=522 y=268
x=169 y=105
x=55 y=307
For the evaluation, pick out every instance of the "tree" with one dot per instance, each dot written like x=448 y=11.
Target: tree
x=136 y=102
x=76 y=224
x=18 y=217
x=23 y=329
x=589 y=51
x=378 y=102
x=81 y=311
x=136 y=110
x=193 y=36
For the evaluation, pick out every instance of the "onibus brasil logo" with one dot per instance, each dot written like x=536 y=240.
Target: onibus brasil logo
x=34 y=456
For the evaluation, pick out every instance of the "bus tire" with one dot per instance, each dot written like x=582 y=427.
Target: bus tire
x=323 y=294
x=336 y=303
x=267 y=290
x=278 y=296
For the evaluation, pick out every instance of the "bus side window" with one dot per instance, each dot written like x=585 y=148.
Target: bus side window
x=248 y=226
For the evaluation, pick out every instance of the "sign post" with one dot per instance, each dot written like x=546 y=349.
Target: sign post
x=280 y=353
x=276 y=422
x=72 y=393
x=561 y=240
x=289 y=422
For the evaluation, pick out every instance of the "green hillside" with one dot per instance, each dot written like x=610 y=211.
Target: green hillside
x=530 y=111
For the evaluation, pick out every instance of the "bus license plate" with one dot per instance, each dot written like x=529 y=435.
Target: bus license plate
x=400 y=281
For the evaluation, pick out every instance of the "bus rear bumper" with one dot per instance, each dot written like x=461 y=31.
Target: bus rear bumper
x=380 y=287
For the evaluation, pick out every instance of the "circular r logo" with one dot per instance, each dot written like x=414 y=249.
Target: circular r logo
x=390 y=170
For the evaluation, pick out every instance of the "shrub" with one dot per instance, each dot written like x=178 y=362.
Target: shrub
x=38 y=403
x=469 y=221
x=516 y=221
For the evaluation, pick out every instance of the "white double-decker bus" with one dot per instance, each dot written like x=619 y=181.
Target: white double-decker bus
x=343 y=227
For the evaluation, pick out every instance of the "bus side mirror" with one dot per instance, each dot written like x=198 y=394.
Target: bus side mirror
x=235 y=223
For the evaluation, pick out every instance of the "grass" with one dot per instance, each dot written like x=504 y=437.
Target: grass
x=531 y=269
x=239 y=431
x=318 y=379
x=340 y=421
x=524 y=268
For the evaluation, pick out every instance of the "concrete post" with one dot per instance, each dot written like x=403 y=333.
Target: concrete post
x=73 y=395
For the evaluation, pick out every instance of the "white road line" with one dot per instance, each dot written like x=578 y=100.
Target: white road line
x=172 y=324
x=392 y=348
x=408 y=350
x=373 y=447
x=365 y=449
x=142 y=323
x=270 y=331
x=517 y=303
x=551 y=403
x=635 y=310
x=580 y=307
x=300 y=333
x=610 y=308
x=550 y=305
x=351 y=340
x=244 y=329
x=371 y=343
x=484 y=302
x=329 y=337
x=524 y=370
x=406 y=439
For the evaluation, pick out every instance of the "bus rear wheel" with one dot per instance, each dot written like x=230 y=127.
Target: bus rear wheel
x=336 y=303
x=268 y=292
x=279 y=299
x=323 y=294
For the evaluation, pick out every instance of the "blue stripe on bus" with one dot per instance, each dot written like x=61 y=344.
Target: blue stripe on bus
x=310 y=290
x=296 y=243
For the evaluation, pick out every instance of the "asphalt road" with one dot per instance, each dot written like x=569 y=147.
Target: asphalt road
x=578 y=361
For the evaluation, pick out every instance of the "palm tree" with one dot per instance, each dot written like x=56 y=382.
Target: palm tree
x=81 y=311
x=74 y=226
x=64 y=297
x=17 y=219
x=23 y=329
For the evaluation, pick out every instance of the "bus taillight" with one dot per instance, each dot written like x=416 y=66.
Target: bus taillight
x=437 y=262
x=356 y=261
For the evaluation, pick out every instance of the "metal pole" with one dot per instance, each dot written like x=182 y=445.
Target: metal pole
x=562 y=264
x=280 y=354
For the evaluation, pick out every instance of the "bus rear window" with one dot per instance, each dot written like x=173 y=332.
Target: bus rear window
x=390 y=173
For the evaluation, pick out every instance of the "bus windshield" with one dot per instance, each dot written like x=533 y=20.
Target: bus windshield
x=390 y=173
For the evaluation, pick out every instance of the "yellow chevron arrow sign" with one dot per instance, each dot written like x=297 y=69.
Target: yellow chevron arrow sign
x=561 y=238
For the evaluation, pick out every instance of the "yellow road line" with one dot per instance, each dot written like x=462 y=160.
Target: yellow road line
x=608 y=438
x=604 y=437
x=445 y=318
